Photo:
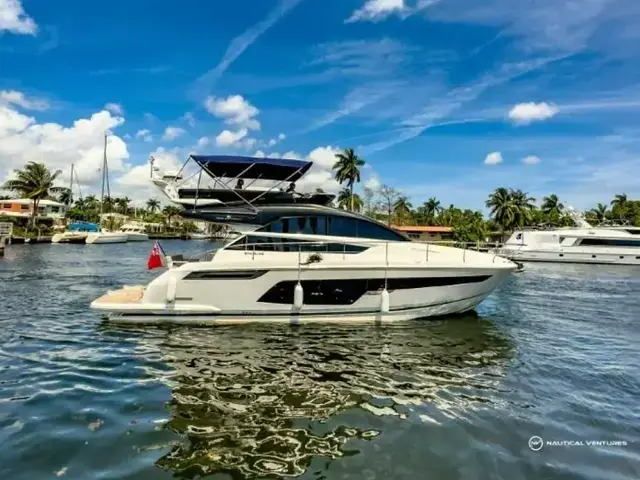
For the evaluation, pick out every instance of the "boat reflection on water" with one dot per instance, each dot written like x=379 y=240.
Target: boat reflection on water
x=269 y=400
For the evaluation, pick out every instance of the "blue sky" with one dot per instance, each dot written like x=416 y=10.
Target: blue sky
x=445 y=98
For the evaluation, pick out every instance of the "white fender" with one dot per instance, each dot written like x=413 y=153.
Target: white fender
x=298 y=296
x=384 y=301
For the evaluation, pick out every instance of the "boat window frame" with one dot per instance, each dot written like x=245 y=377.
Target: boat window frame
x=328 y=228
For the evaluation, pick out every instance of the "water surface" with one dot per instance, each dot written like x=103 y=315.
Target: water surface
x=553 y=353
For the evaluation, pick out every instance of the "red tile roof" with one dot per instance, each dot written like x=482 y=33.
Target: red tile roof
x=421 y=229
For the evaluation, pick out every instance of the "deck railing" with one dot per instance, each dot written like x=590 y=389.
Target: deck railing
x=310 y=244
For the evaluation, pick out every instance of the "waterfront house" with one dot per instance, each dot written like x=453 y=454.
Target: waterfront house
x=422 y=233
x=48 y=210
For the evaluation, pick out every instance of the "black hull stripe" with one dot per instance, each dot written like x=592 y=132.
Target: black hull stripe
x=300 y=314
x=349 y=291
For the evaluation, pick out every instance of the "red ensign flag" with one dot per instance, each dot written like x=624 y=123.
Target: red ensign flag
x=155 y=257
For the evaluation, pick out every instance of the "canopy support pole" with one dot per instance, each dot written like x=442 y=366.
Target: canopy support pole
x=215 y=179
x=278 y=184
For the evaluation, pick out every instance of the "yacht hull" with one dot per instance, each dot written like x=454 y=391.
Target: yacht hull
x=293 y=318
x=137 y=237
x=106 y=237
x=242 y=301
x=69 y=237
x=567 y=256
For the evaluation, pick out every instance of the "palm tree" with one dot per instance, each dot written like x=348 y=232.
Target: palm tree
x=552 y=206
x=347 y=200
x=91 y=202
x=123 y=204
x=501 y=207
x=34 y=182
x=65 y=196
x=170 y=211
x=433 y=206
x=153 y=205
x=620 y=200
x=108 y=203
x=402 y=208
x=429 y=210
x=600 y=212
x=348 y=169
x=620 y=206
x=523 y=207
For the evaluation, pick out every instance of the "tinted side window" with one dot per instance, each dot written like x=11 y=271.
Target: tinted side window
x=610 y=242
x=342 y=227
x=378 y=232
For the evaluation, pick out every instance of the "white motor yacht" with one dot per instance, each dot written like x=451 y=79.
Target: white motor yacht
x=105 y=236
x=134 y=232
x=582 y=244
x=306 y=261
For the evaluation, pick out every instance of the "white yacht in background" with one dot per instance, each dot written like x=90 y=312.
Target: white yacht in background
x=305 y=261
x=582 y=244
x=134 y=232
x=105 y=236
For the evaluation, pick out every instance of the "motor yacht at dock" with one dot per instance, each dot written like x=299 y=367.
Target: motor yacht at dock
x=617 y=245
x=303 y=260
x=134 y=231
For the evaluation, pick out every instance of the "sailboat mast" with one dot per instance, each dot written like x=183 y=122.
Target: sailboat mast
x=70 y=187
x=104 y=164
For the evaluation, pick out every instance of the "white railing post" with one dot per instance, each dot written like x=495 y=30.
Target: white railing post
x=386 y=266
x=464 y=253
x=427 y=251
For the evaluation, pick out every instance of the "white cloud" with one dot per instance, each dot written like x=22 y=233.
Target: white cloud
x=227 y=138
x=235 y=110
x=249 y=143
x=374 y=10
x=292 y=155
x=189 y=118
x=275 y=140
x=494 y=158
x=136 y=183
x=145 y=135
x=203 y=142
x=531 y=160
x=23 y=139
x=525 y=113
x=171 y=133
x=19 y=99
x=14 y=19
x=320 y=175
x=373 y=182
x=114 y=108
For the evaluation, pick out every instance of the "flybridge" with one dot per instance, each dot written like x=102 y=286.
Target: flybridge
x=234 y=179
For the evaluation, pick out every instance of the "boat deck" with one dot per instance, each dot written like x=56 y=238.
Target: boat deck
x=124 y=295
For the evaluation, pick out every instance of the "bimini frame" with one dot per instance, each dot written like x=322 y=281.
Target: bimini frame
x=217 y=180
